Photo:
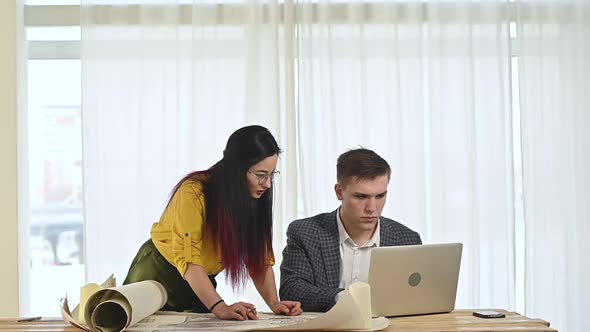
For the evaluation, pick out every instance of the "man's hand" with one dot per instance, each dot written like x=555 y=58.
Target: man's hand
x=289 y=308
x=237 y=311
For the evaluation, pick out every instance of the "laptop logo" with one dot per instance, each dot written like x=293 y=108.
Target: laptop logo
x=414 y=279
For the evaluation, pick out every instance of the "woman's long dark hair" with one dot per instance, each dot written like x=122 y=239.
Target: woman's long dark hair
x=241 y=224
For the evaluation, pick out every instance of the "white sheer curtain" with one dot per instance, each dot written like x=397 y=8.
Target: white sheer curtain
x=427 y=86
x=555 y=76
x=164 y=85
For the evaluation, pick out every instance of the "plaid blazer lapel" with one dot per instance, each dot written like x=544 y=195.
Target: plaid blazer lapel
x=330 y=251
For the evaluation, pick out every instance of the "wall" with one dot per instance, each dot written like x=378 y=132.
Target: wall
x=9 y=306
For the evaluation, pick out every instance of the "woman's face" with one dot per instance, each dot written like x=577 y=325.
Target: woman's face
x=259 y=176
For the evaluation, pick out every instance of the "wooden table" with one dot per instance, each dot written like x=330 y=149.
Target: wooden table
x=458 y=320
x=463 y=320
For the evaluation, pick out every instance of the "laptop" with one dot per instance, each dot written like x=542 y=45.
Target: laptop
x=413 y=280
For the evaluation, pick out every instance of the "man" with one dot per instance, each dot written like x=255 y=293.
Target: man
x=328 y=252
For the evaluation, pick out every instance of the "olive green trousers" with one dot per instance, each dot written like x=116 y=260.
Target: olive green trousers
x=149 y=264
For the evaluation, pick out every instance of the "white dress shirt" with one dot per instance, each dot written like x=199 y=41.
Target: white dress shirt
x=354 y=259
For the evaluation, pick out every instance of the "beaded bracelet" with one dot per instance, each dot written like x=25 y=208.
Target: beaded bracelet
x=216 y=303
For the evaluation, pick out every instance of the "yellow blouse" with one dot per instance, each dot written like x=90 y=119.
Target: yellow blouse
x=181 y=235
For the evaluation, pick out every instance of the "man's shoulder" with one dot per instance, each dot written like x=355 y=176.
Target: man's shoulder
x=388 y=224
x=396 y=231
x=313 y=223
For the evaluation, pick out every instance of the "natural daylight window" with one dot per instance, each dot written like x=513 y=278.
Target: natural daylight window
x=55 y=182
x=56 y=222
x=56 y=214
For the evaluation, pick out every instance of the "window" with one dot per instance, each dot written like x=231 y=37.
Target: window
x=55 y=160
x=56 y=236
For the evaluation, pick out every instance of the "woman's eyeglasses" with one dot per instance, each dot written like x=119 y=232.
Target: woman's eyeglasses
x=263 y=177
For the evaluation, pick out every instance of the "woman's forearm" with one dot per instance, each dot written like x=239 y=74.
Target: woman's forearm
x=198 y=279
x=266 y=286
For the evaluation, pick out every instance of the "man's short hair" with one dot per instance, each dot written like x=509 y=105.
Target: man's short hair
x=364 y=164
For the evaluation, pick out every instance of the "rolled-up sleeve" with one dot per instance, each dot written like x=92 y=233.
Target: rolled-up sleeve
x=270 y=258
x=185 y=214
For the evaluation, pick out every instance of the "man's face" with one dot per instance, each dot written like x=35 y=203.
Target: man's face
x=362 y=202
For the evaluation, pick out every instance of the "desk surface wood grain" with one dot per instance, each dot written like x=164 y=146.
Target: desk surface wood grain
x=463 y=320
x=456 y=321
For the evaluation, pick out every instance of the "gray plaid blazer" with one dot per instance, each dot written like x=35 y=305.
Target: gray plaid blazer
x=310 y=271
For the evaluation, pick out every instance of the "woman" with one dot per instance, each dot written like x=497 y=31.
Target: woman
x=218 y=219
